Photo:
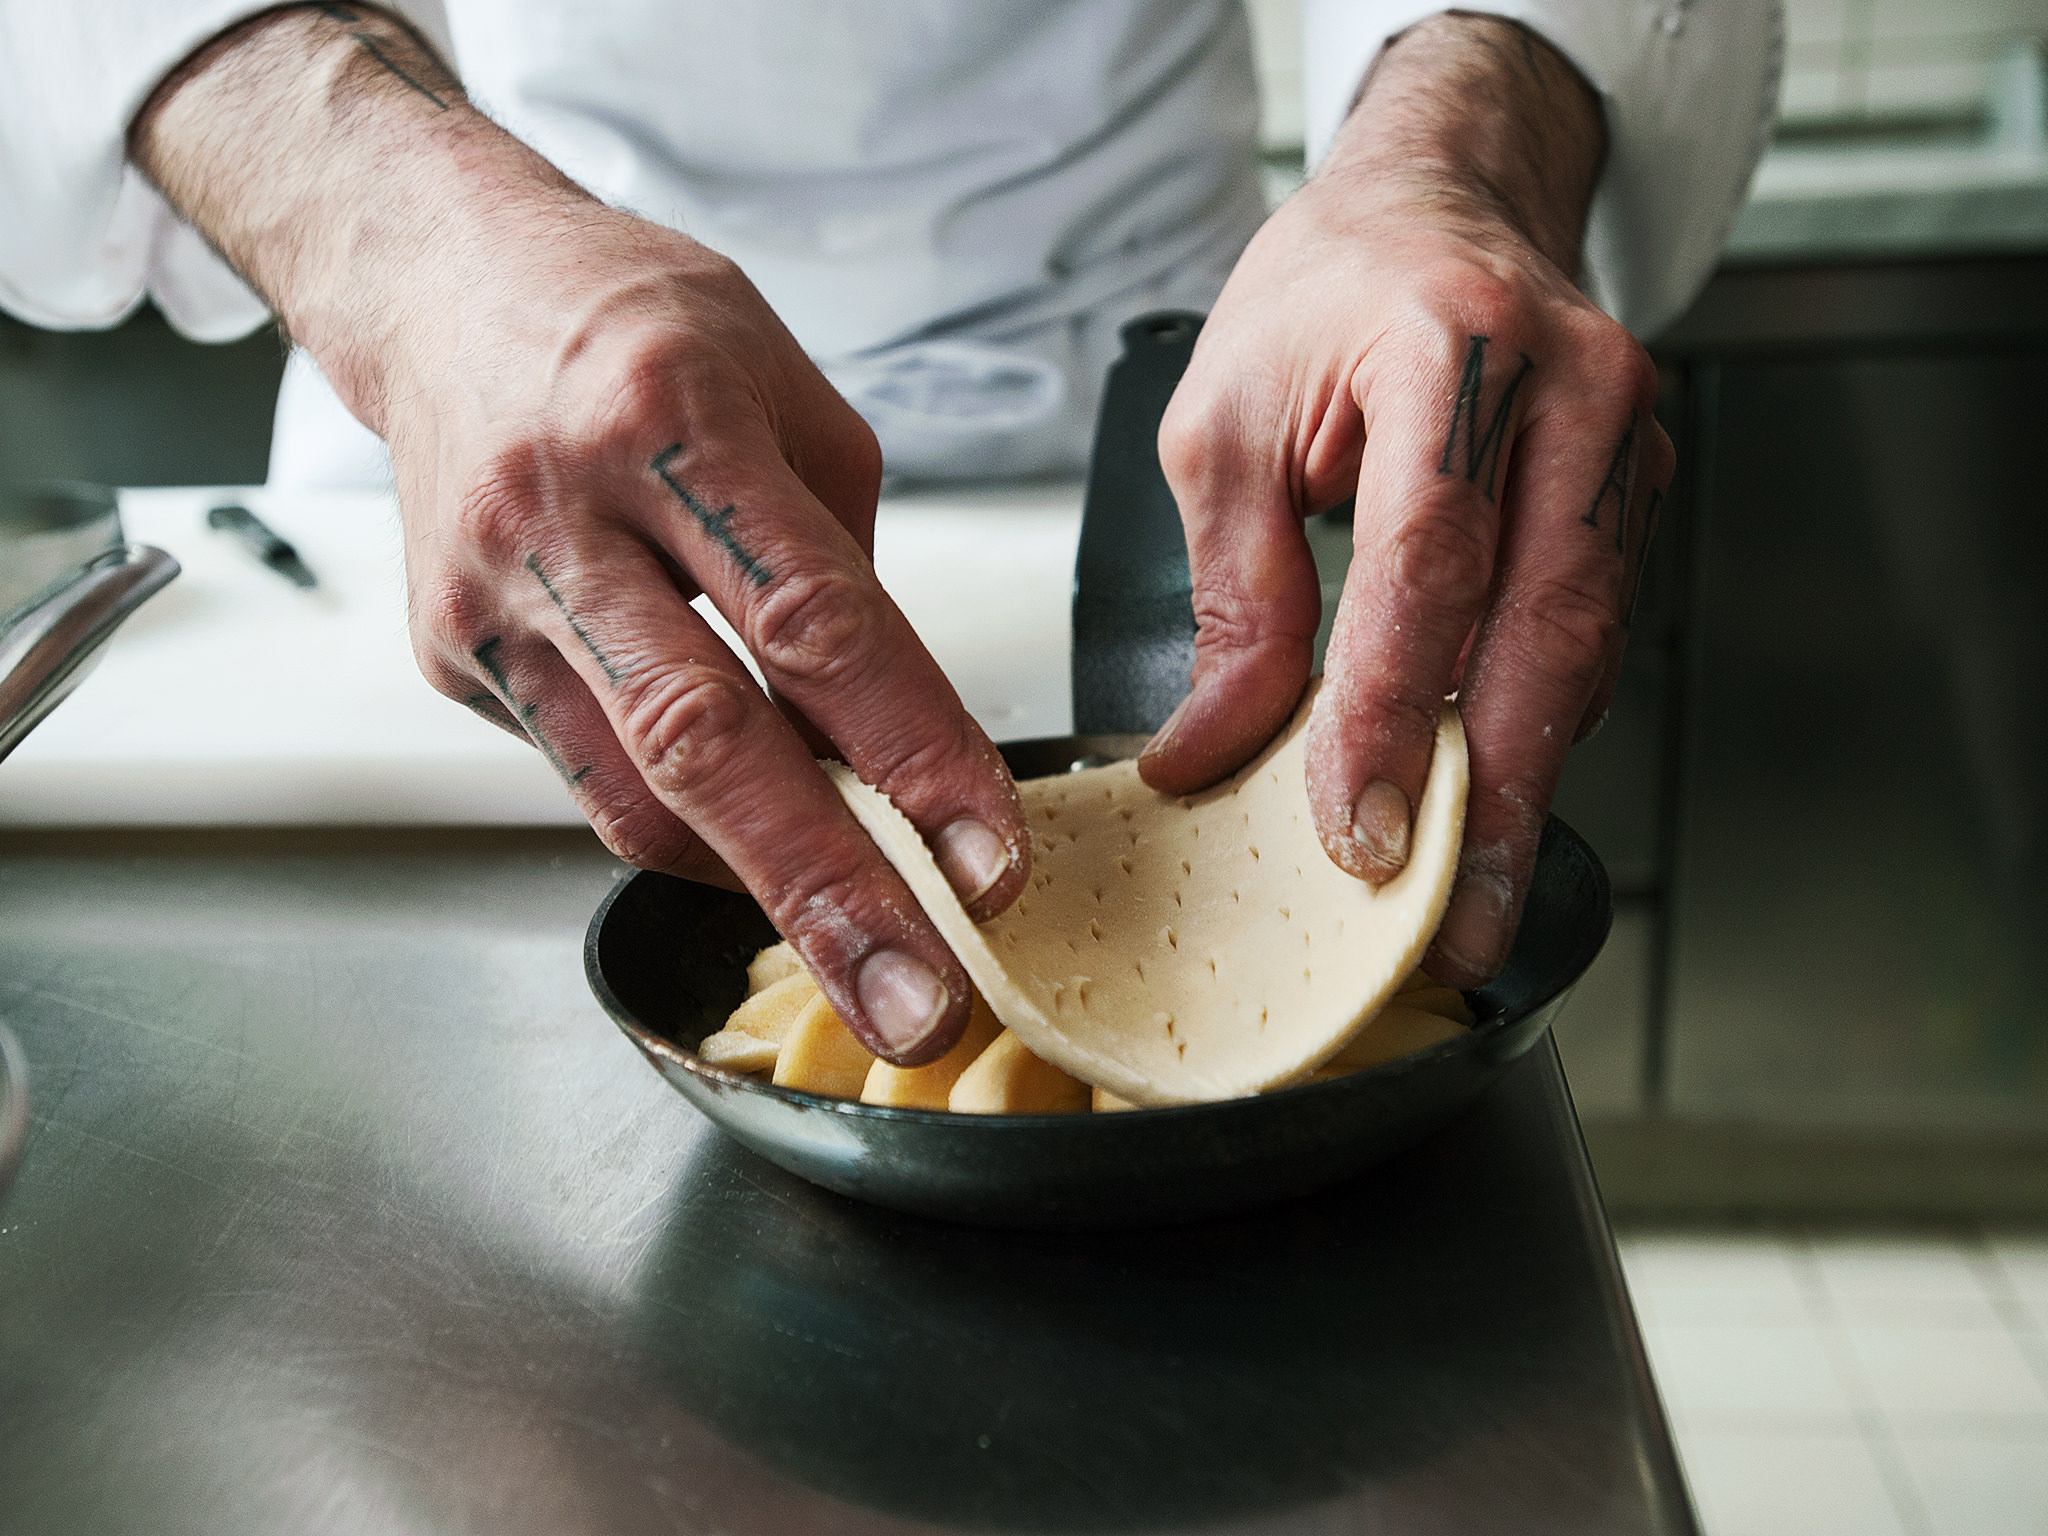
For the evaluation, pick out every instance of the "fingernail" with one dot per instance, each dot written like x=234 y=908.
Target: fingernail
x=1472 y=936
x=902 y=997
x=1163 y=737
x=1592 y=729
x=971 y=856
x=1379 y=820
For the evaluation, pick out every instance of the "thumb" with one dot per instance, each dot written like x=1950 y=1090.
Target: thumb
x=1257 y=602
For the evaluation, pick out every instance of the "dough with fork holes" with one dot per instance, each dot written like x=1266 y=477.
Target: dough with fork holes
x=1182 y=949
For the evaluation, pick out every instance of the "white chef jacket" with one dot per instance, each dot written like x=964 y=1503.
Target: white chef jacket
x=952 y=203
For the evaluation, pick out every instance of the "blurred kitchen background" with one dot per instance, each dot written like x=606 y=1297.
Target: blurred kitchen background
x=1812 y=1064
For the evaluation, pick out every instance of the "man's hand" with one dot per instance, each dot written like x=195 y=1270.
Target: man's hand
x=1407 y=326
x=592 y=419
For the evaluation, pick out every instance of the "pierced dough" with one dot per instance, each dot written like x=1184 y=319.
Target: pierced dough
x=1397 y=1030
x=1180 y=950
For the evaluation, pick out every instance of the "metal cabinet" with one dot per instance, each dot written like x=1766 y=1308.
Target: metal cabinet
x=1862 y=865
x=1860 y=853
x=136 y=405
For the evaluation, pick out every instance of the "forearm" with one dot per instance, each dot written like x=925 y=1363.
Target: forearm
x=334 y=161
x=1407 y=330
x=592 y=420
x=1481 y=120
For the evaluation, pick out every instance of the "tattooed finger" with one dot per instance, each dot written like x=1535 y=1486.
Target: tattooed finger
x=490 y=657
x=1482 y=449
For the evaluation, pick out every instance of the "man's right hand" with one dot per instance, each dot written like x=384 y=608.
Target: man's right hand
x=592 y=419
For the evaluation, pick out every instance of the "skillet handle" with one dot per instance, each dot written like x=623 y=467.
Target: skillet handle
x=1134 y=620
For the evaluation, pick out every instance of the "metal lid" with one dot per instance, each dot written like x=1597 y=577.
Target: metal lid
x=48 y=532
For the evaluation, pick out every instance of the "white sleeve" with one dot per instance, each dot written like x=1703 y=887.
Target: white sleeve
x=1690 y=89
x=83 y=238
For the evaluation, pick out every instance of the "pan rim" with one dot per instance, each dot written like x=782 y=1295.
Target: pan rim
x=663 y=1049
x=1484 y=1032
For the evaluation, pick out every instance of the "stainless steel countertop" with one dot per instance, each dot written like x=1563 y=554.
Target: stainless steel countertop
x=346 y=1209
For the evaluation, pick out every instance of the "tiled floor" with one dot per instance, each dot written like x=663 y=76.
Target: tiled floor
x=1823 y=1385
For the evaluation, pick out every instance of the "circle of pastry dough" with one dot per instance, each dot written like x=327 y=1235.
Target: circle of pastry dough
x=1182 y=949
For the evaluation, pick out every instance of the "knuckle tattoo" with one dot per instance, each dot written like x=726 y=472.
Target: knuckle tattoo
x=1617 y=484
x=396 y=55
x=1635 y=586
x=1480 y=460
x=717 y=525
x=613 y=671
x=490 y=658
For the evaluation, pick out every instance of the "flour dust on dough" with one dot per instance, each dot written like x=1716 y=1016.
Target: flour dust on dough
x=1183 y=949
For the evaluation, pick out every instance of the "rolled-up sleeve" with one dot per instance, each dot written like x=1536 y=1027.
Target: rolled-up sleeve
x=1690 y=91
x=83 y=237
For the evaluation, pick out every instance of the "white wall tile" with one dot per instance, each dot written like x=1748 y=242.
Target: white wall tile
x=1716 y=1375
x=1870 y=1385
x=1771 y=1483
x=1979 y=1485
x=1276 y=45
x=1908 y=18
x=1899 y=57
x=2024 y=1261
x=1714 y=1279
x=1926 y=1283
x=1920 y=1376
x=1822 y=21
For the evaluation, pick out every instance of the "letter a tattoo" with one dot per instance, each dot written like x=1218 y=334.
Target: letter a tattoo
x=1621 y=469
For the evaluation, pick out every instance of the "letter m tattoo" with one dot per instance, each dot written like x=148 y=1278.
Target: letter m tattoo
x=1482 y=449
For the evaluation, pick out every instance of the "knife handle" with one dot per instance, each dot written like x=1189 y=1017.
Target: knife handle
x=251 y=530
x=276 y=552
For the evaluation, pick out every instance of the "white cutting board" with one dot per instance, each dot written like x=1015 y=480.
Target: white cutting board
x=234 y=698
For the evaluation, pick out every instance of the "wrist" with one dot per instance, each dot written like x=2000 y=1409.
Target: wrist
x=410 y=263
x=1481 y=122
x=333 y=160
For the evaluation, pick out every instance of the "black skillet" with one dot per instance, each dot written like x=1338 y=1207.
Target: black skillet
x=667 y=958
